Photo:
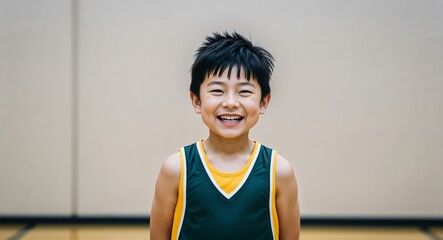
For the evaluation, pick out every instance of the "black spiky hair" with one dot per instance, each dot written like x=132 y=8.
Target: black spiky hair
x=225 y=51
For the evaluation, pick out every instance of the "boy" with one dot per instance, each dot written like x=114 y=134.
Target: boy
x=227 y=186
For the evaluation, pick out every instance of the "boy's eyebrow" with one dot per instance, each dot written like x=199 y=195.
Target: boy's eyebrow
x=215 y=83
x=222 y=83
x=247 y=84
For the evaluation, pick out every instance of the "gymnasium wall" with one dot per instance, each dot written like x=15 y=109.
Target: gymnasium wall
x=94 y=96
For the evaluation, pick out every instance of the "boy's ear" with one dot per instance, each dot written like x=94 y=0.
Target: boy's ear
x=195 y=102
x=264 y=103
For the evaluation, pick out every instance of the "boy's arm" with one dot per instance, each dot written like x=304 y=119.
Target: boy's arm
x=165 y=199
x=286 y=199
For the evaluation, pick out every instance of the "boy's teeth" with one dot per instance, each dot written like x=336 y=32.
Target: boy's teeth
x=230 y=117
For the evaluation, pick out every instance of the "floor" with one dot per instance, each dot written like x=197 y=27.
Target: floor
x=137 y=232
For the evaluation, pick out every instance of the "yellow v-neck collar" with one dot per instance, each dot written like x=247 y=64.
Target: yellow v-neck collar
x=228 y=183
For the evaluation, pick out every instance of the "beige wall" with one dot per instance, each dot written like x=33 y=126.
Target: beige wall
x=357 y=101
x=35 y=107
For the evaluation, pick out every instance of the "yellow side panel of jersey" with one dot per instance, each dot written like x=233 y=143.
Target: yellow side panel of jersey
x=180 y=206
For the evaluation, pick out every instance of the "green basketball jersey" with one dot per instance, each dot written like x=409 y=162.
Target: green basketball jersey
x=205 y=211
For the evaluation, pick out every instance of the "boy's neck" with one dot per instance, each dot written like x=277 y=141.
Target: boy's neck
x=228 y=146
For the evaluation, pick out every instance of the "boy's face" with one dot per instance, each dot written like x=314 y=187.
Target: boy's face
x=230 y=107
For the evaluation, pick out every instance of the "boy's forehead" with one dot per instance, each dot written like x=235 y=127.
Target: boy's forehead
x=230 y=73
x=224 y=77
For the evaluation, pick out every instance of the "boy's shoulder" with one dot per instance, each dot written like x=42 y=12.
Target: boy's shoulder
x=171 y=166
x=284 y=168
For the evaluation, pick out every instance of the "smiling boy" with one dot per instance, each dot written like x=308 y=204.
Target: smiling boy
x=227 y=186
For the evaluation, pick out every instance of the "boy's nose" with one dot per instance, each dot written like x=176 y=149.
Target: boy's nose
x=230 y=101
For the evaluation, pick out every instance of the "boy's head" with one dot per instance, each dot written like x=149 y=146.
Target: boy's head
x=225 y=51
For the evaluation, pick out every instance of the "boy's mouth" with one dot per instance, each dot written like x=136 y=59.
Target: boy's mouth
x=230 y=118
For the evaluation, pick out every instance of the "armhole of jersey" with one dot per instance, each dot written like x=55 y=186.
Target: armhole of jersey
x=179 y=212
x=272 y=207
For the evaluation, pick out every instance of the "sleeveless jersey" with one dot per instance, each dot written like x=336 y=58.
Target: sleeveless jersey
x=205 y=211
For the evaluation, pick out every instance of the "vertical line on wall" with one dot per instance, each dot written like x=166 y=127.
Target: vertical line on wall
x=75 y=110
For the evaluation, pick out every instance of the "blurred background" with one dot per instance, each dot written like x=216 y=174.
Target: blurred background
x=94 y=97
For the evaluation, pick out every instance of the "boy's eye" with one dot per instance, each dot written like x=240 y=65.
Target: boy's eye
x=245 y=92
x=216 y=91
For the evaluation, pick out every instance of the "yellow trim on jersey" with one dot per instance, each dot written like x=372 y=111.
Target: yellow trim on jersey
x=228 y=182
x=180 y=206
x=273 y=192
